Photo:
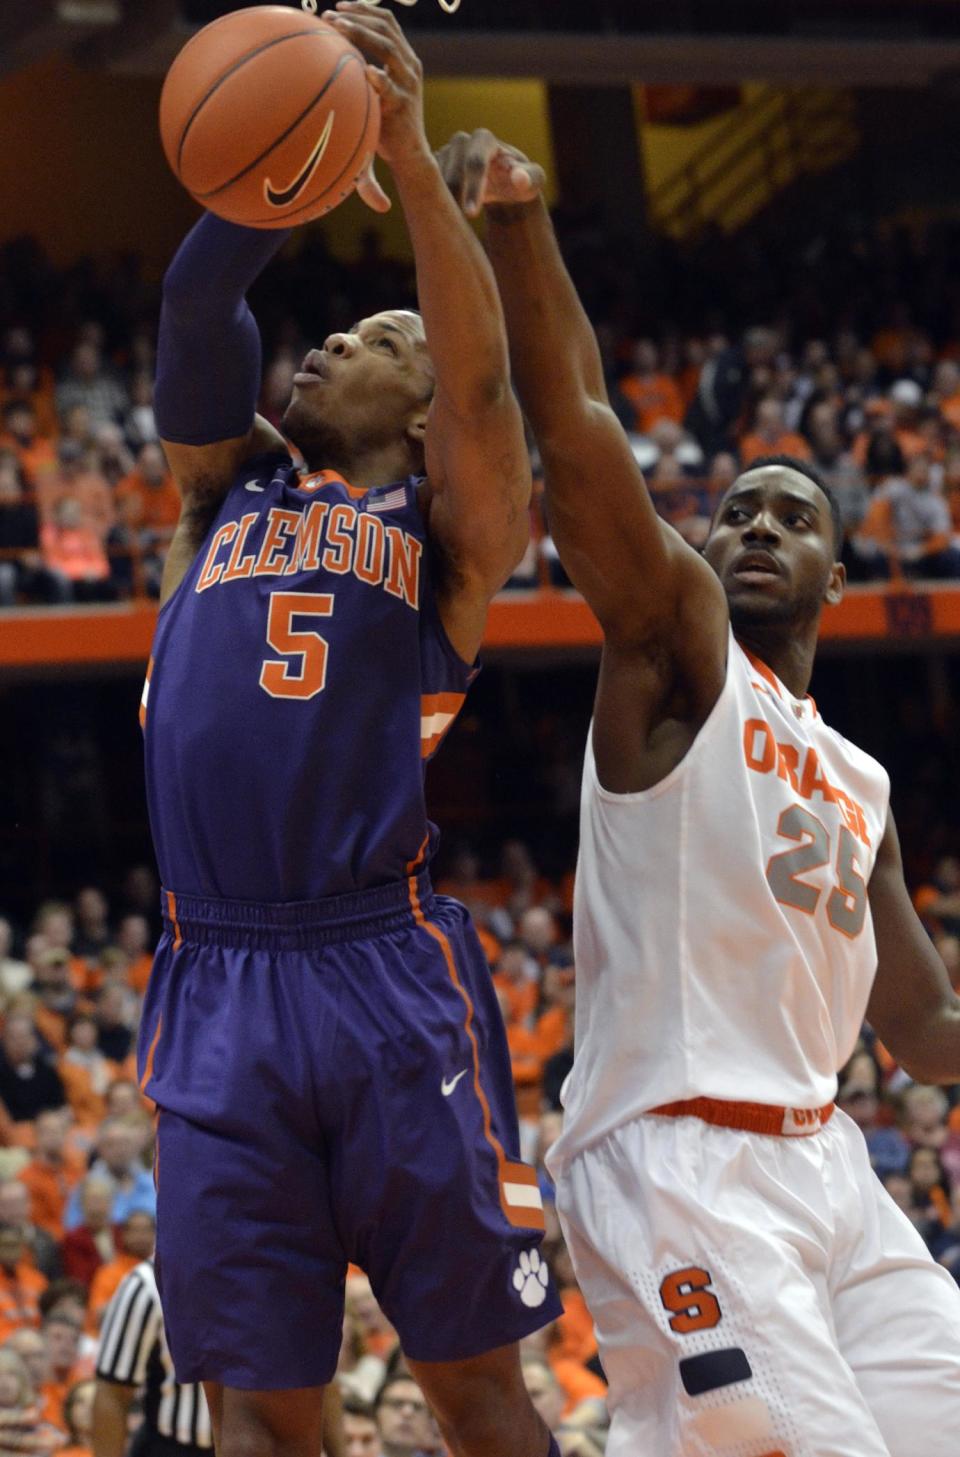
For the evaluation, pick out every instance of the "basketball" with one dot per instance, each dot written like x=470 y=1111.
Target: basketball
x=267 y=117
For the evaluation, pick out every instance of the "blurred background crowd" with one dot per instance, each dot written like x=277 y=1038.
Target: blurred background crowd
x=846 y=354
x=77 y=1198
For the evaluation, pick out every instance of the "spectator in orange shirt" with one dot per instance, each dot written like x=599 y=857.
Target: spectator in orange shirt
x=148 y=505
x=75 y=551
x=135 y=1239
x=133 y=939
x=654 y=395
x=56 y=997
x=527 y=1068
x=77 y=478
x=52 y=1173
x=899 y=416
x=20 y=1284
x=516 y=977
x=62 y=1336
x=22 y=380
x=36 y=453
x=554 y=1026
x=40 y=1248
x=150 y=486
x=86 y=1073
x=21 y=566
x=770 y=435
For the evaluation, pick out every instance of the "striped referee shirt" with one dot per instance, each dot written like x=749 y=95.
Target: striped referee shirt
x=133 y=1352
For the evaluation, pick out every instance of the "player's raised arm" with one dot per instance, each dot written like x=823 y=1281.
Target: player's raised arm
x=208 y=374
x=477 y=465
x=913 y=1008
x=635 y=572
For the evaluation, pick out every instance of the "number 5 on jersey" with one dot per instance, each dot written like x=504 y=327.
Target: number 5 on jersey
x=308 y=677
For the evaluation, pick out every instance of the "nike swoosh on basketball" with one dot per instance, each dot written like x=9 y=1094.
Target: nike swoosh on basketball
x=283 y=196
x=447 y=1088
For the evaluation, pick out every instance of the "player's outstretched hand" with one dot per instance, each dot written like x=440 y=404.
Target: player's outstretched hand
x=395 y=73
x=479 y=169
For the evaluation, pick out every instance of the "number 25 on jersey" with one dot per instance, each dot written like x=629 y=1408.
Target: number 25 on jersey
x=846 y=905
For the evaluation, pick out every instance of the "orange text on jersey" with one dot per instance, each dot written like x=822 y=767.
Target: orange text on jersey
x=805 y=775
x=339 y=539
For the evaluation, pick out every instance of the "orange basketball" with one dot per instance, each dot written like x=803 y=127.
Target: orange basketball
x=267 y=117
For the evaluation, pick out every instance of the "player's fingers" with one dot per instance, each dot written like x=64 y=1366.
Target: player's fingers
x=378 y=48
x=523 y=180
x=378 y=23
x=480 y=152
x=527 y=179
x=450 y=159
x=370 y=192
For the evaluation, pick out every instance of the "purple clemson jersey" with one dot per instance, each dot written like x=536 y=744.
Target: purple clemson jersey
x=300 y=680
x=320 y=1033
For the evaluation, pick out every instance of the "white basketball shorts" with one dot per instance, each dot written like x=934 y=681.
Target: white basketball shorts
x=760 y=1296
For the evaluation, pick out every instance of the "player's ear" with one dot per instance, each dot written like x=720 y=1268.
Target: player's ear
x=836 y=584
x=417 y=424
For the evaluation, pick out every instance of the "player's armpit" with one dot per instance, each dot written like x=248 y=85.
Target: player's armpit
x=913 y=1008
x=205 y=473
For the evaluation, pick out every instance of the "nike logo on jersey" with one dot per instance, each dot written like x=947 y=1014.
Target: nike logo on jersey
x=254 y=486
x=447 y=1088
x=284 y=196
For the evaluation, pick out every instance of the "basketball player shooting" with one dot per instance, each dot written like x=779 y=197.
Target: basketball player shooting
x=740 y=907
x=321 y=1034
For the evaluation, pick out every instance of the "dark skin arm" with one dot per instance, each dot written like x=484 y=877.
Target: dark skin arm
x=478 y=471
x=662 y=609
x=913 y=1008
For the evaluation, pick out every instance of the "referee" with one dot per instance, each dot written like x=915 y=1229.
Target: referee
x=134 y=1358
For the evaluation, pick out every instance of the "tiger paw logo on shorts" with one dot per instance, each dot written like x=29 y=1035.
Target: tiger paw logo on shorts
x=530 y=1279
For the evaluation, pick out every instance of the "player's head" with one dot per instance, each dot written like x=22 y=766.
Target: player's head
x=774 y=543
x=366 y=391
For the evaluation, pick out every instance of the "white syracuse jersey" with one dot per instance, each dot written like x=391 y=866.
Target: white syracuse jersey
x=723 y=935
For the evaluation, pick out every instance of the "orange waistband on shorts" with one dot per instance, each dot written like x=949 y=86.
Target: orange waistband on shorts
x=750 y=1117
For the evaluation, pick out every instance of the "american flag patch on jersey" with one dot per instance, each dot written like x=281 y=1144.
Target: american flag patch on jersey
x=392 y=501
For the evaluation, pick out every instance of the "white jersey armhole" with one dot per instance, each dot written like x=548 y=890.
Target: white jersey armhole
x=699 y=746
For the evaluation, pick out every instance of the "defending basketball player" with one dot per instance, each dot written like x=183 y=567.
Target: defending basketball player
x=320 y=1033
x=740 y=907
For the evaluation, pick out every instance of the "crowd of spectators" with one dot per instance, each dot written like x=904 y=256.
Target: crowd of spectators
x=77 y=1199
x=854 y=367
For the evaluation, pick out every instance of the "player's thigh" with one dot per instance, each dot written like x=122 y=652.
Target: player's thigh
x=265 y=1423
x=430 y=1193
x=714 y=1337
x=897 y=1316
x=247 y=1260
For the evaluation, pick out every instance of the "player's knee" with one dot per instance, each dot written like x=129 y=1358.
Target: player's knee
x=250 y=1436
x=480 y=1407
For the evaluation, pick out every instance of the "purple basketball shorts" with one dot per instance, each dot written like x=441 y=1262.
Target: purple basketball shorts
x=334 y=1085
